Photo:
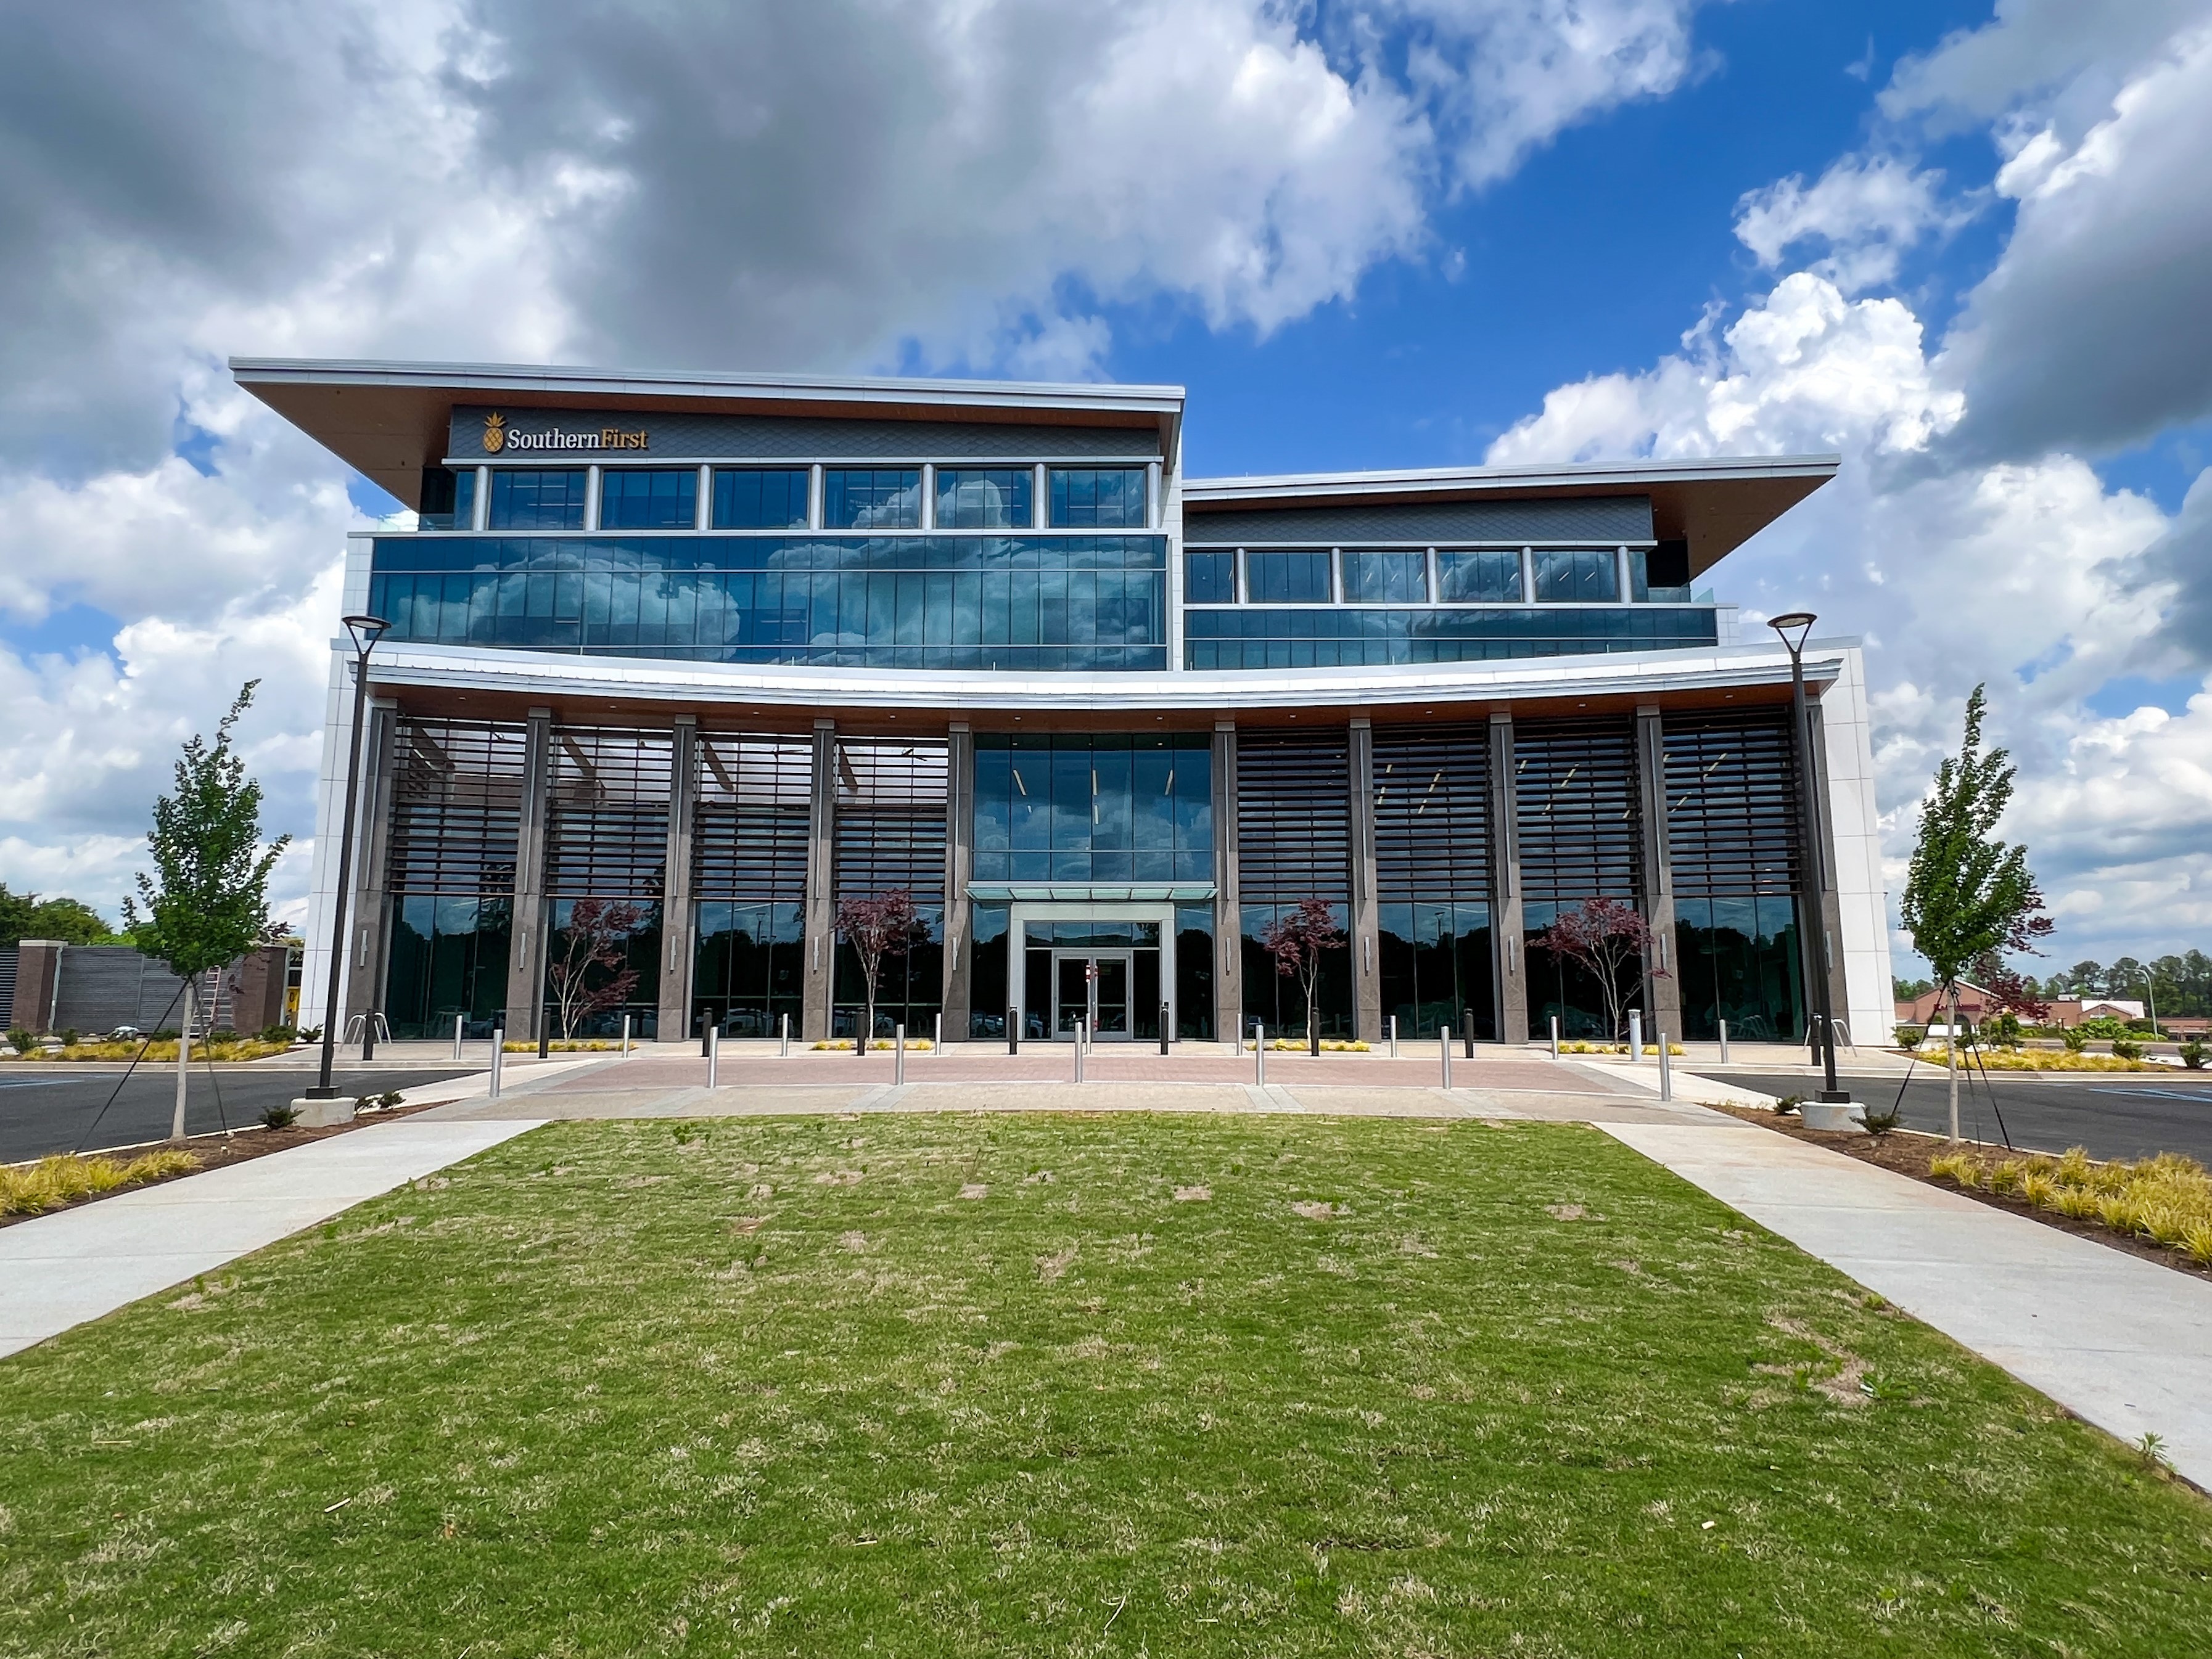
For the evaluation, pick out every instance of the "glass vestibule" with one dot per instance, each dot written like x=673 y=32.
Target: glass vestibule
x=1104 y=973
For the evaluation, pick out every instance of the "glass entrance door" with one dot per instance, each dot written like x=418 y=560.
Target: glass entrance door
x=1092 y=986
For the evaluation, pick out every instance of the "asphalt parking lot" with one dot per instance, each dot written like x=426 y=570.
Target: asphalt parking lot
x=2113 y=1114
x=51 y=1108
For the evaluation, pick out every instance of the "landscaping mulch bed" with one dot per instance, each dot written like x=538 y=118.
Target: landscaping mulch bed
x=218 y=1150
x=1907 y=1151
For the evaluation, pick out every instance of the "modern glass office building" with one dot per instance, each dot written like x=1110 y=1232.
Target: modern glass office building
x=680 y=664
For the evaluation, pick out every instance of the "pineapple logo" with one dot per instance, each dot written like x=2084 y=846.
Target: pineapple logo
x=494 y=437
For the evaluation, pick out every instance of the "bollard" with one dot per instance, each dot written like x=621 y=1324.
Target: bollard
x=626 y=1018
x=1467 y=1024
x=1555 y=1037
x=460 y=1022
x=783 y=1028
x=1164 y=1028
x=898 y=1056
x=936 y=1041
x=1443 y=1046
x=1079 y=1051
x=1665 y=1072
x=1259 y=1054
x=1724 y=1059
x=1014 y=1030
x=713 y=1052
x=544 y=1035
x=1636 y=1037
x=369 y=1035
x=704 y=1020
x=498 y=1058
x=1393 y=1037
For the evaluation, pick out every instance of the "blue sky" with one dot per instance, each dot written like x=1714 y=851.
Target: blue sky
x=1961 y=244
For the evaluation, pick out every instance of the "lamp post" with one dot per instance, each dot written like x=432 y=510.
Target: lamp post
x=2150 y=991
x=365 y=632
x=1793 y=626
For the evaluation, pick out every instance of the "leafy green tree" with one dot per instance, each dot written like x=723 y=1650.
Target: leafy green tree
x=26 y=915
x=210 y=903
x=1969 y=895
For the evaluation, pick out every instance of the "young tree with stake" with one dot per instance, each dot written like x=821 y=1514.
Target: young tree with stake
x=879 y=928
x=1607 y=938
x=591 y=948
x=1968 y=896
x=210 y=904
x=1296 y=941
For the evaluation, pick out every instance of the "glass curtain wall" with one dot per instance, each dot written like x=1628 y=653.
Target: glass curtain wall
x=1293 y=842
x=606 y=866
x=990 y=992
x=456 y=820
x=1580 y=831
x=1732 y=836
x=1432 y=877
x=1042 y=603
x=748 y=842
x=890 y=837
x=1194 y=971
x=1094 y=809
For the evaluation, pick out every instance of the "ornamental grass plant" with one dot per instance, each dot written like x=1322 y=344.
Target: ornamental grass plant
x=2166 y=1200
x=2037 y=1060
x=54 y=1183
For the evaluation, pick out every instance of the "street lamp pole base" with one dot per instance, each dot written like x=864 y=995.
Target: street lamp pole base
x=320 y=1093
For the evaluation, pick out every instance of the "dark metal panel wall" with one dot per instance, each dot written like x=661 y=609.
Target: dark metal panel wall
x=1577 y=817
x=1293 y=816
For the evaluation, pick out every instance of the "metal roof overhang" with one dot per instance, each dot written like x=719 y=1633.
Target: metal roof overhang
x=387 y=420
x=459 y=680
x=1716 y=505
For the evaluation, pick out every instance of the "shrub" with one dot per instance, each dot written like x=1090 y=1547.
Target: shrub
x=1910 y=1037
x=69 y=1036
x=281 y=1117
x=1881 y=1122
x=2193 y=1054
x=23 y=1041
x=2106 y=1026
x=2126 y=1049
x=2075 y=1039
x=1788 y=1104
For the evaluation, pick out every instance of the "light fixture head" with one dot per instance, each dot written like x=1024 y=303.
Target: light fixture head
x=366 y=632
x=1793 y=626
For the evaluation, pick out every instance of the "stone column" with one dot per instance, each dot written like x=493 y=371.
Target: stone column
x=821 y=886
x=959 y=868
x=677 y=923
x=1228 y=911
x=1366 y=971
x=370 y=926
x=525 y=947
x=37 y=981
x=1823 y=951
x=1663 y=981
x=1505 y=884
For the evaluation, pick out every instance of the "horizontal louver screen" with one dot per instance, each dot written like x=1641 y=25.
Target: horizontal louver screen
x=1732 y=821
x=456 y=807
x=607 y=819
x=1575 y=810
x=891 y=819
x=1293 y=811
x=749 y=835
x=1431 y=813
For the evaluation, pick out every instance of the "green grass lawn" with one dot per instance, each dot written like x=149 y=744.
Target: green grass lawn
x=1126 y=1385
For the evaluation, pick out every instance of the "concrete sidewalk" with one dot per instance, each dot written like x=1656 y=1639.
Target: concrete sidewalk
x=61 y=1270
x=2118 y=1340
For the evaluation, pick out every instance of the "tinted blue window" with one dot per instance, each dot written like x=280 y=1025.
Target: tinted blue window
x=1481 y=578
x=1209 y=579
x=448 y=498
x=1027 y=602
x=1106 y=497
x=1248 y=638
x=986 y=498
x=1083 y=809
x=883 y=497
x=537 y=499
x=750 y=499
x=1643 y=590
x=1580 y=578
x=642 y=498
x=1286 y=578
x=1386 y=578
